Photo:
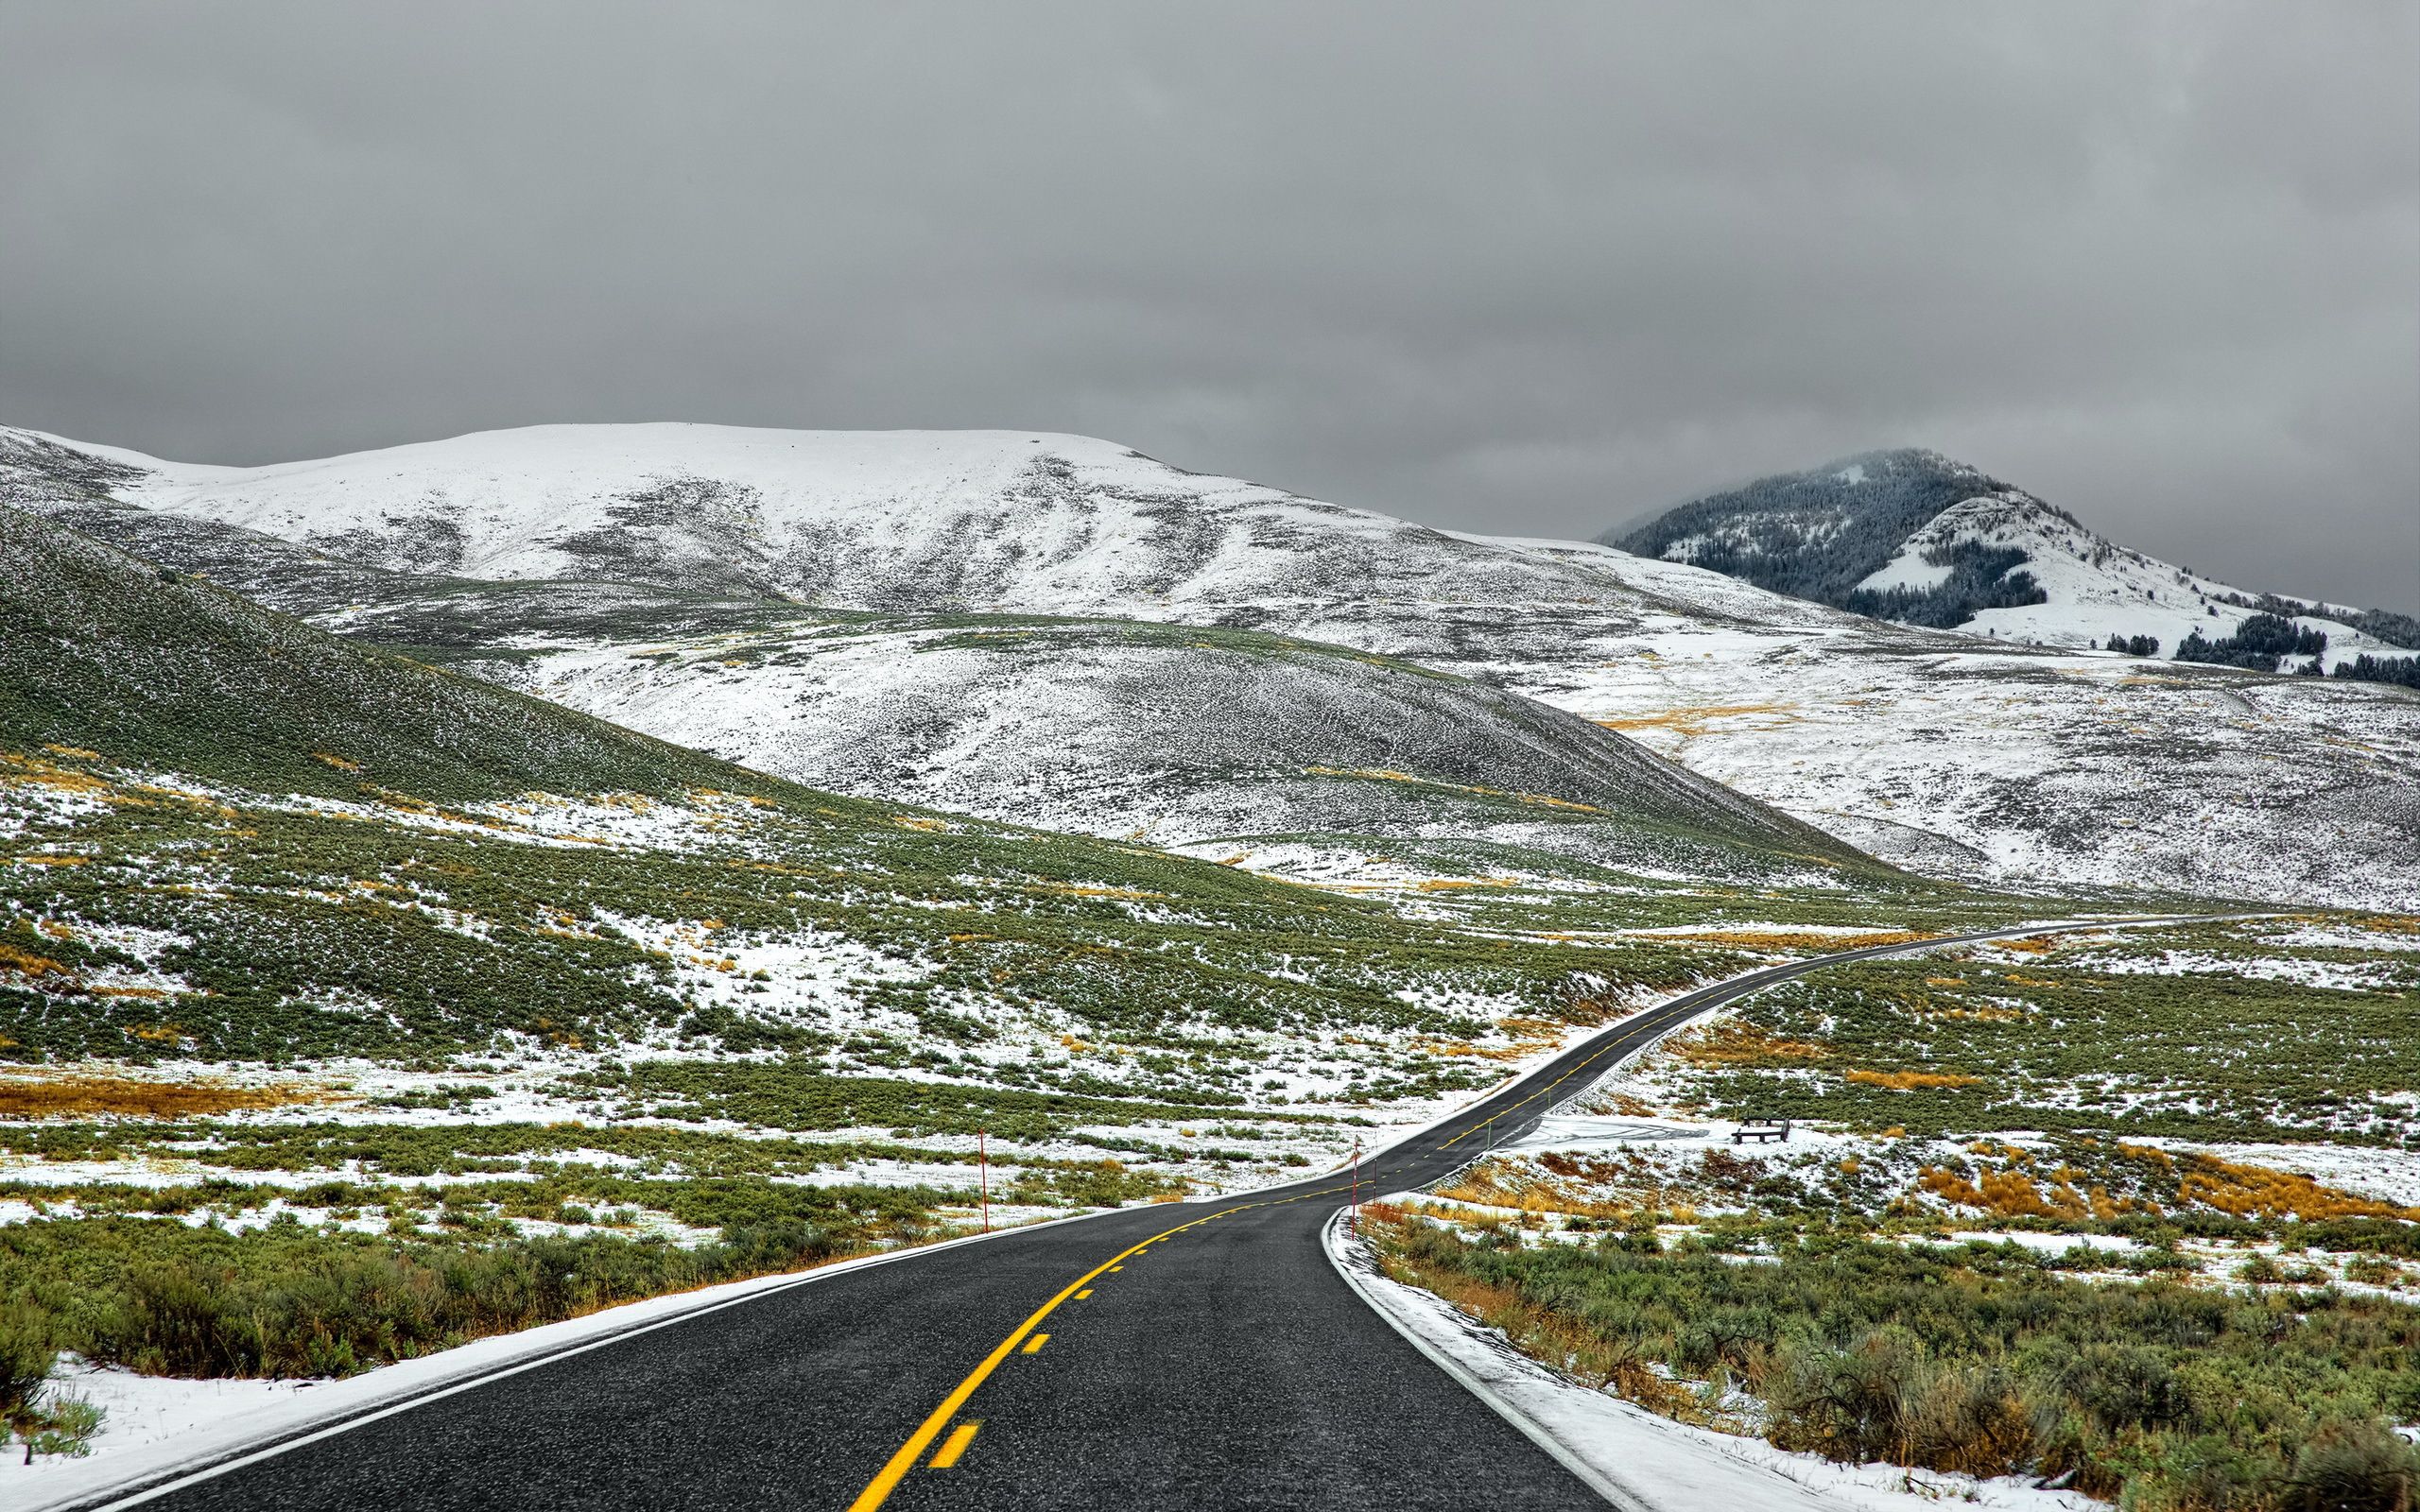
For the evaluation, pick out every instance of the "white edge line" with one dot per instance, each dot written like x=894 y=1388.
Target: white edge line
x=1538 y=1433
x=147 y=1484
x=1531 y=1428
x=108 y=1499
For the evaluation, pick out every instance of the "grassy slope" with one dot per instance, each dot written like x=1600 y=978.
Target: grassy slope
x=1250 y=732
x=111 y=670
x=2242 y=1338
x=100 y=651
x=227 y=836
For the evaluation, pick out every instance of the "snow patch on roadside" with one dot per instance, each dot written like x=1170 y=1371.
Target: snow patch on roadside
x=1650 y=1462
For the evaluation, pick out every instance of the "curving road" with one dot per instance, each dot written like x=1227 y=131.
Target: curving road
x=1199 y=1354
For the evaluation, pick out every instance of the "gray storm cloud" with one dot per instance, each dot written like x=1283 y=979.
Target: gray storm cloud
x=1522 y=269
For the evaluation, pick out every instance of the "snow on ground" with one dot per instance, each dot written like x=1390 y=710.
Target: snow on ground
x=169 y=1425
x=141 y=1412
x=2095 y=588
x=2357 y=976
x=1655 y=1462
x=1957 y=754
x=2367 y=1171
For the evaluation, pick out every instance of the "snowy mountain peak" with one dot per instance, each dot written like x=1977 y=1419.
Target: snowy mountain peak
x=1813 y=534
x=1898 y=463
x=1913 y=536
x=2090 y=589
x=1949 y=753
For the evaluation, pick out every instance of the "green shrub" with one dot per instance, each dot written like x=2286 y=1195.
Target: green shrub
x=2355 y=1467
x=27 y=1353
x=64 y=1427
x=311 y=1304
x=1988 y=1359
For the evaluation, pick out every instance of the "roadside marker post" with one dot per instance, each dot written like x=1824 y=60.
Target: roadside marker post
x=983 y=1165
x=1352 y=1224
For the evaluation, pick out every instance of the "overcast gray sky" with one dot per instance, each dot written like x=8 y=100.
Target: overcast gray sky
x=1522 y=268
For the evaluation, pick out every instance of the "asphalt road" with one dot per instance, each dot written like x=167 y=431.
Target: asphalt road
x=1199 y=1354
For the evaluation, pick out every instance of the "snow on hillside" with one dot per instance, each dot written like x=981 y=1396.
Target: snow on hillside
x=898 y=520
x=1172 y=734
x=2095 y=588
x=1951 y=752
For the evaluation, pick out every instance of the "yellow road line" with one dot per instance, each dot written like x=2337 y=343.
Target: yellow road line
x=887 y=1480
x=1033 y=1345
x=1086 y=1292
x=963 y=1436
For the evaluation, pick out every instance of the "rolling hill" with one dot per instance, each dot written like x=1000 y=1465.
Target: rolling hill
x=1915 y=536
x=232 y=836
x=600 y=565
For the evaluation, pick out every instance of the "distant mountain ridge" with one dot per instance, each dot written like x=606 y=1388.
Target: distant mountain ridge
x=1113 y=727
x=1916 y=537
x=871 y=520
x=1821 y=534
x=993 y=622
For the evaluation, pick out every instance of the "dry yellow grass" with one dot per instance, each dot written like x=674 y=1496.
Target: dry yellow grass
x=1384 y=774
x=33 y=771
x=2006 y=1194
x=2258 y=1192
x=1993 y=1013
x=1783 y=941
x=1691 y=722
x=1900 y=1081
x=25 y=963
x=83 y=1096
x=1740 y=1044
x=2204 y=1180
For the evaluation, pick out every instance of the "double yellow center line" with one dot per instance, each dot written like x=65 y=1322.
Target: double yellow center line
x=878 y=1490
x=1026 y=1340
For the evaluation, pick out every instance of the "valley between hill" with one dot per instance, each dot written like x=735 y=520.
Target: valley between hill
x=459 y=889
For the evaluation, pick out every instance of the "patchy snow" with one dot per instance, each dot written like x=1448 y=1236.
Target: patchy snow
x=176 y=1425
x=2095 y=588
x=2351 y=976
x=1654 y=1462
x=2042 y=1243
x=2383 y=1174
x=1955 y=754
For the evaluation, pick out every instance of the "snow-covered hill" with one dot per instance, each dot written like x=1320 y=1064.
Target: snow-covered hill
x=894 y=519
x=1177 y=735
x=1920 y=538
x=2092 y=588
x=1959 y=754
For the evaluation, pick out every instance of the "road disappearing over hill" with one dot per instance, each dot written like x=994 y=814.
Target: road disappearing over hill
x=1194 y=1354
